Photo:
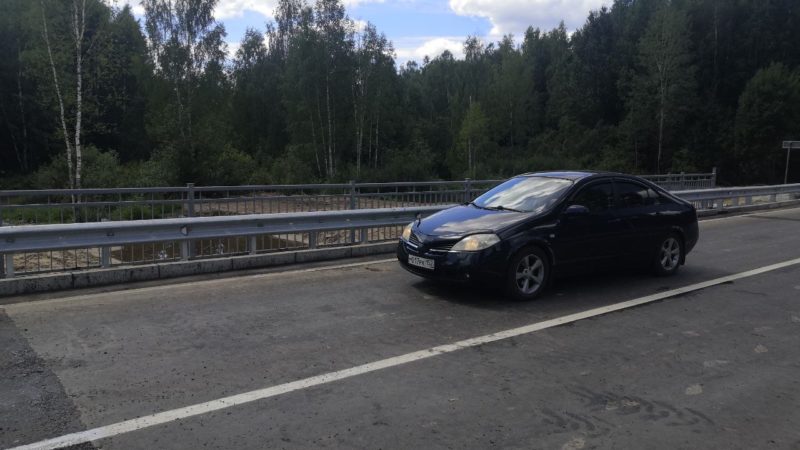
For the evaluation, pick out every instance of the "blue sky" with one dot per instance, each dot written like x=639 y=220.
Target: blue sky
x=423 y=27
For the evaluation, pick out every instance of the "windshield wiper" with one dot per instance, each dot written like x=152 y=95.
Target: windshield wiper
x=503 y=208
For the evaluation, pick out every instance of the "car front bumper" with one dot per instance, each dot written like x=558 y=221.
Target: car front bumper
x=455 y=266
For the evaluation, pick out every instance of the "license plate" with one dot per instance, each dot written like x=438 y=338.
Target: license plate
x=425 y=263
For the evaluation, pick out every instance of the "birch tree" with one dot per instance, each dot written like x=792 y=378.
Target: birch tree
x=184 y=39
x=473 y=135
x=72 y=142
x=372 y=52
x=668 y=73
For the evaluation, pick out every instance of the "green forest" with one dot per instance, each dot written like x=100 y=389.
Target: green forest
x=91 y=96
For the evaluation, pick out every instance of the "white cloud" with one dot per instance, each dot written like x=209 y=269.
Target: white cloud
x=416 y=49
x=135 y=5
x=354 y=3
x=235 y=8
x=225 y=8
x=514 y=16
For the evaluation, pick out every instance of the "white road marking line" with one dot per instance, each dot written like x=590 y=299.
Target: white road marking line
x=33 y=303
x=128 y=426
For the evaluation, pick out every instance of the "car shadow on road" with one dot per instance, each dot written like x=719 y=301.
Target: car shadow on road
x=599 y=288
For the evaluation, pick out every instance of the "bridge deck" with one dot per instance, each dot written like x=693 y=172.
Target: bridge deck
x=711 y=368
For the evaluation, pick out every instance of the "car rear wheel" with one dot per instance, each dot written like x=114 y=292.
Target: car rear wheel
x=528 y=274
x=669 y=255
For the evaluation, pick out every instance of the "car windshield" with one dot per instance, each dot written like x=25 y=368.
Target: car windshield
x=524 y=194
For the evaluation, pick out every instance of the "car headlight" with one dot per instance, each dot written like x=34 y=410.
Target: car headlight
x=407 y=232
x=476 y=242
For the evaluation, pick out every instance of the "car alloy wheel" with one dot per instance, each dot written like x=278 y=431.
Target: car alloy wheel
x=669 y=255
x=528 y=274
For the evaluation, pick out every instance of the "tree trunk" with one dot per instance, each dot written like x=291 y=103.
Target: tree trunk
x=369 y=143
x=660 y=137
x=13 y=135
x=322 y=137
x=358 y=130
x=469 y=156
x=377 y=136
x=715 y=84
x=331 y=167
x=314 y=143
x=21 y=101
x=79 y=24
x=511 y=122
x=60 y=100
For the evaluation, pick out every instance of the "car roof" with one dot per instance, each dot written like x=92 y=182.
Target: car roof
x=573 y=175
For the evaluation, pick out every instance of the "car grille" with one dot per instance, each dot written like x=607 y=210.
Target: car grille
x=441 y=247
x=415 y=243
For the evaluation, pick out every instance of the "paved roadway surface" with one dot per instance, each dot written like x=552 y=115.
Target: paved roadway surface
x=713 y=368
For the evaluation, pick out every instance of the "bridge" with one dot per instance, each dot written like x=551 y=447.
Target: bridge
x=356 y=353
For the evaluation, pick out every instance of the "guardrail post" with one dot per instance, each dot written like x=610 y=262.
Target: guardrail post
x=252 y=244
x=467 y=189
x=185 y=250
x=353 y=200
x=312 y=239
x=9 y=269
x=105 y=257
x=714 y=177
x=189 y=199
x=363 y=235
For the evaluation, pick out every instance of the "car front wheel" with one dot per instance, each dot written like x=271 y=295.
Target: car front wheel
x=669 y=255
x=528 y=274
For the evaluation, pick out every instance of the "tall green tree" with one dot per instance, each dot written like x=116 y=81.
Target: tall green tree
x=768 y=113
x=186 y=44
x=65 y=62
x=666 y=81
x=473 y=139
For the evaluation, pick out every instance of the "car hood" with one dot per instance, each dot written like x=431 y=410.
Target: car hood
x=466 y=219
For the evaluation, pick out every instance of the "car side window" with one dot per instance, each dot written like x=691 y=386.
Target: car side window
x=597 y=197
x=634 y=195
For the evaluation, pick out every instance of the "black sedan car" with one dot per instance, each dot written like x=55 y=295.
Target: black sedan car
x=535 y=225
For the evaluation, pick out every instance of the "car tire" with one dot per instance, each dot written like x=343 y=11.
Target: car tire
x=528 y=274
x=669 y=255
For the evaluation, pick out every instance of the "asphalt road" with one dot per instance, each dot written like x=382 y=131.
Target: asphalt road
x=711 y=368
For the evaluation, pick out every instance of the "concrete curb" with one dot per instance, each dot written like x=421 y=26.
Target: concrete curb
x=118 y=275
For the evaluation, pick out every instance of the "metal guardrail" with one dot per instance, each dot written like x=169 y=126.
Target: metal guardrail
x=683 y=181
x=103 y=244
x=722 y=198
x=107 y=235
x=97 y=205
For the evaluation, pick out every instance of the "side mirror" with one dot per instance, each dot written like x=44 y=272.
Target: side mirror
x=576 y=210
